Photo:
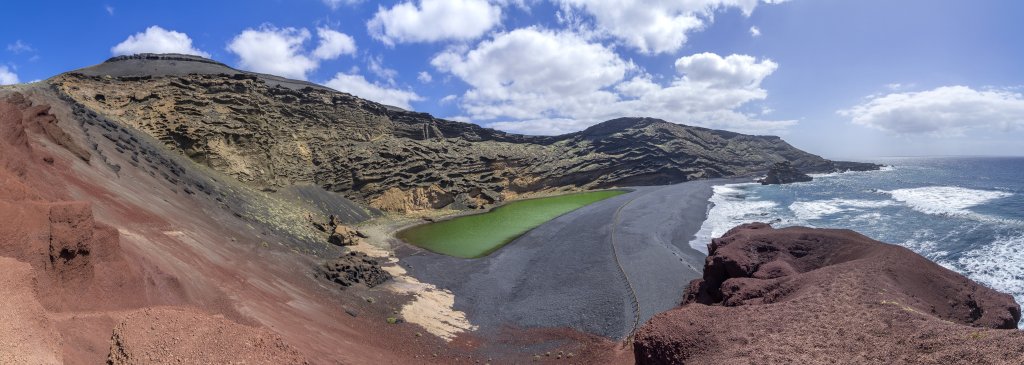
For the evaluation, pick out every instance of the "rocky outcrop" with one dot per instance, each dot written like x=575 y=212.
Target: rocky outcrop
x=274 y=133
x=337 y=233
x=784 y=173
x=354 y=268
x=822 y=296
x=344 y=236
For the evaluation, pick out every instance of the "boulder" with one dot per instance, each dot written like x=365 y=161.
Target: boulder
x=784 y=173
x=344 y=236
x=353 y=268
x=825 y=296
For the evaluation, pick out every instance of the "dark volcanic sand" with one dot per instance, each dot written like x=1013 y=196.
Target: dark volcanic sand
x=820 y=296
x=564 y=274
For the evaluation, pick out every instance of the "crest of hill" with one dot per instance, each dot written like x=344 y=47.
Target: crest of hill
x=274 y=133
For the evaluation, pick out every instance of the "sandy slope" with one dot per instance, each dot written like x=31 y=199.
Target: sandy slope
x=133 y=240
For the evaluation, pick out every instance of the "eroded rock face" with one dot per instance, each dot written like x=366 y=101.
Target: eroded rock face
x=354 y=268
x=275 y=133
x=819 y=296
x=784 y=173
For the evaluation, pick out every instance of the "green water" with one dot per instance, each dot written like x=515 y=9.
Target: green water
x=478 y=235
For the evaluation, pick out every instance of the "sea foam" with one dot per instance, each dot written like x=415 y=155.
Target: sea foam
x=945 y=200
x=999 y=265
x=729 y=208
x=816 y=209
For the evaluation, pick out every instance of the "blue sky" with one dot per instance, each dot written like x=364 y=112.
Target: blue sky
x=850 y=79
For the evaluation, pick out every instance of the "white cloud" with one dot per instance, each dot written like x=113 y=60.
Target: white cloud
x=424 y=77
x=280 y=51
x=569 y=83
x=655 y=26
x=333 y=44
x=755 y=31
x=7 y=76
x=434 y=20
x=947 y=110
x=157 y=40
x=335 y=4
x=358 y=85
x=109 y=9
x=376 y=65
x=734 y=71
x=19 y=47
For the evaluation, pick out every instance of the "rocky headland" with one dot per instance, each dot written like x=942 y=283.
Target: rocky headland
x=826 y=296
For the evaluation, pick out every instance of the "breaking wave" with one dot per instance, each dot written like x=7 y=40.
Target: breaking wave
x=729 y=207
x=946 y=200
x=816 y=209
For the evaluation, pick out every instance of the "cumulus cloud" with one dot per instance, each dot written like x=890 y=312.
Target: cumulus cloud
x=655 y=26
x=734 y=71
x=281 y=51
x=755 y=32
x=434 y=20
x=157 y=40
x=569 y=83
x=359 y=86
x=424 y=77
x=947 y=110
x=333 y=44
x=7 y=76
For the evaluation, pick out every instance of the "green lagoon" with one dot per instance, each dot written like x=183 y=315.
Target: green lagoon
x=478 y=235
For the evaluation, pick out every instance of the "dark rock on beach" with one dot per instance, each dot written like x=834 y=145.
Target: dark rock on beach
x=825 y=296
x=353 y=268
x=784 y=173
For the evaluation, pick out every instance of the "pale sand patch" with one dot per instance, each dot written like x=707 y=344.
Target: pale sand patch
x=433 y=308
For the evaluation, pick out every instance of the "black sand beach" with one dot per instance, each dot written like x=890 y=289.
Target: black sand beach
x=572 y=271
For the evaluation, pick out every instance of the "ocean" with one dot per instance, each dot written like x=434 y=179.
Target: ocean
x=964 y=213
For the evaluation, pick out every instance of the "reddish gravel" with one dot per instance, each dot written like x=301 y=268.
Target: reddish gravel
x=188 y=336
x=817 y=296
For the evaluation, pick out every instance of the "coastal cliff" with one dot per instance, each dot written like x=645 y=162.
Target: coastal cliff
x=826 y=296
x=273 y=133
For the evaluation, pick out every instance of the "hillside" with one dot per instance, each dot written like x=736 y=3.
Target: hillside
x=273 y=133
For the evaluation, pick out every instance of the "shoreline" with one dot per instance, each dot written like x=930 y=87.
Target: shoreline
x=533 y=283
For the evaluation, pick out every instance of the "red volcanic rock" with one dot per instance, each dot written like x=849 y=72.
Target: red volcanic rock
x=821 y=296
